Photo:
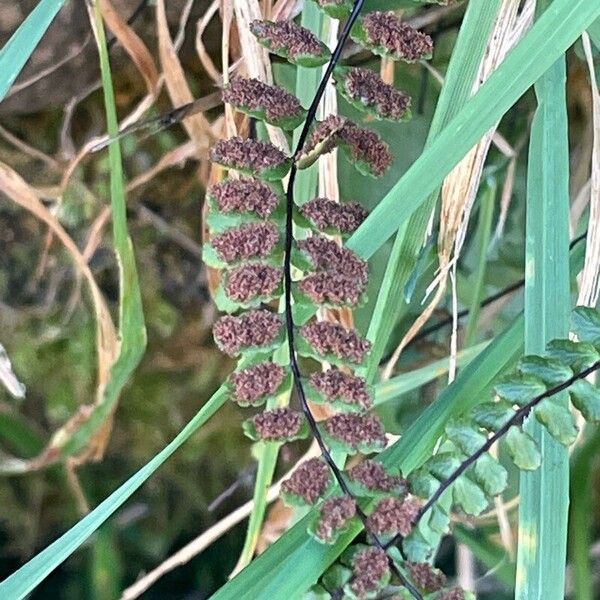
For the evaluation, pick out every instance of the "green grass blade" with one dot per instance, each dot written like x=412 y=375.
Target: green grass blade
x=389 y=390
x=132 y=331
x=38 y=568
x=547 y=40
x=463 y=68
x=482 y=242
x=20 y=46
x=267 y=461
x=471 y=387
x=582 y=509
x=544 y=493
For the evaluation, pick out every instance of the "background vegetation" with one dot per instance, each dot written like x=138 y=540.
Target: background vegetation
x=72 y=303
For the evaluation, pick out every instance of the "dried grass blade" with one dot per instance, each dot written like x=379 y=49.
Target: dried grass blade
x=197 y=126
x=203 y=55
x=255 y=56
x=133 y=45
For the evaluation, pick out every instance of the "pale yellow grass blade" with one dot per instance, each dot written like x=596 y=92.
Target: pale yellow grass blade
x=133 y=45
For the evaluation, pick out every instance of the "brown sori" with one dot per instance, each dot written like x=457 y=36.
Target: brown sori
x=245 y=195
x=365 y=145
x=334 y=515
x=332 y=338
x=309 y=481
x=403 y=41
x=335 y=384
x=256 y=280
x=356 y=429
x=287 y=35
x=425 y=576
x=237 y=152
x=325 y=213
x=257 y=95
x=253 y=328
x=328 y=255
x=367 y=87
x=332 y=288
x=393 y=515
x=249 y=240
x=326 y=133
x=277 y=424
x=372 y=475
x=257 y=381
x=369 y=567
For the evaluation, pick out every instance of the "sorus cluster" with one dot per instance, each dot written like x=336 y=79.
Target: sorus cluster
x=250 y=241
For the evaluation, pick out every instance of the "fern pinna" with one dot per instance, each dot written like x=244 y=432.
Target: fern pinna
x=282 y=262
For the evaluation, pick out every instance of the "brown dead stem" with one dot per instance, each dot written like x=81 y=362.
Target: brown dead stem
x=197 y=126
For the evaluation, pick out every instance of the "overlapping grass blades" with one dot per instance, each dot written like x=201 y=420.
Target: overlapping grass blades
x=559 y=26
x=132 y=330
x=460 y=77
x=545 y=493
